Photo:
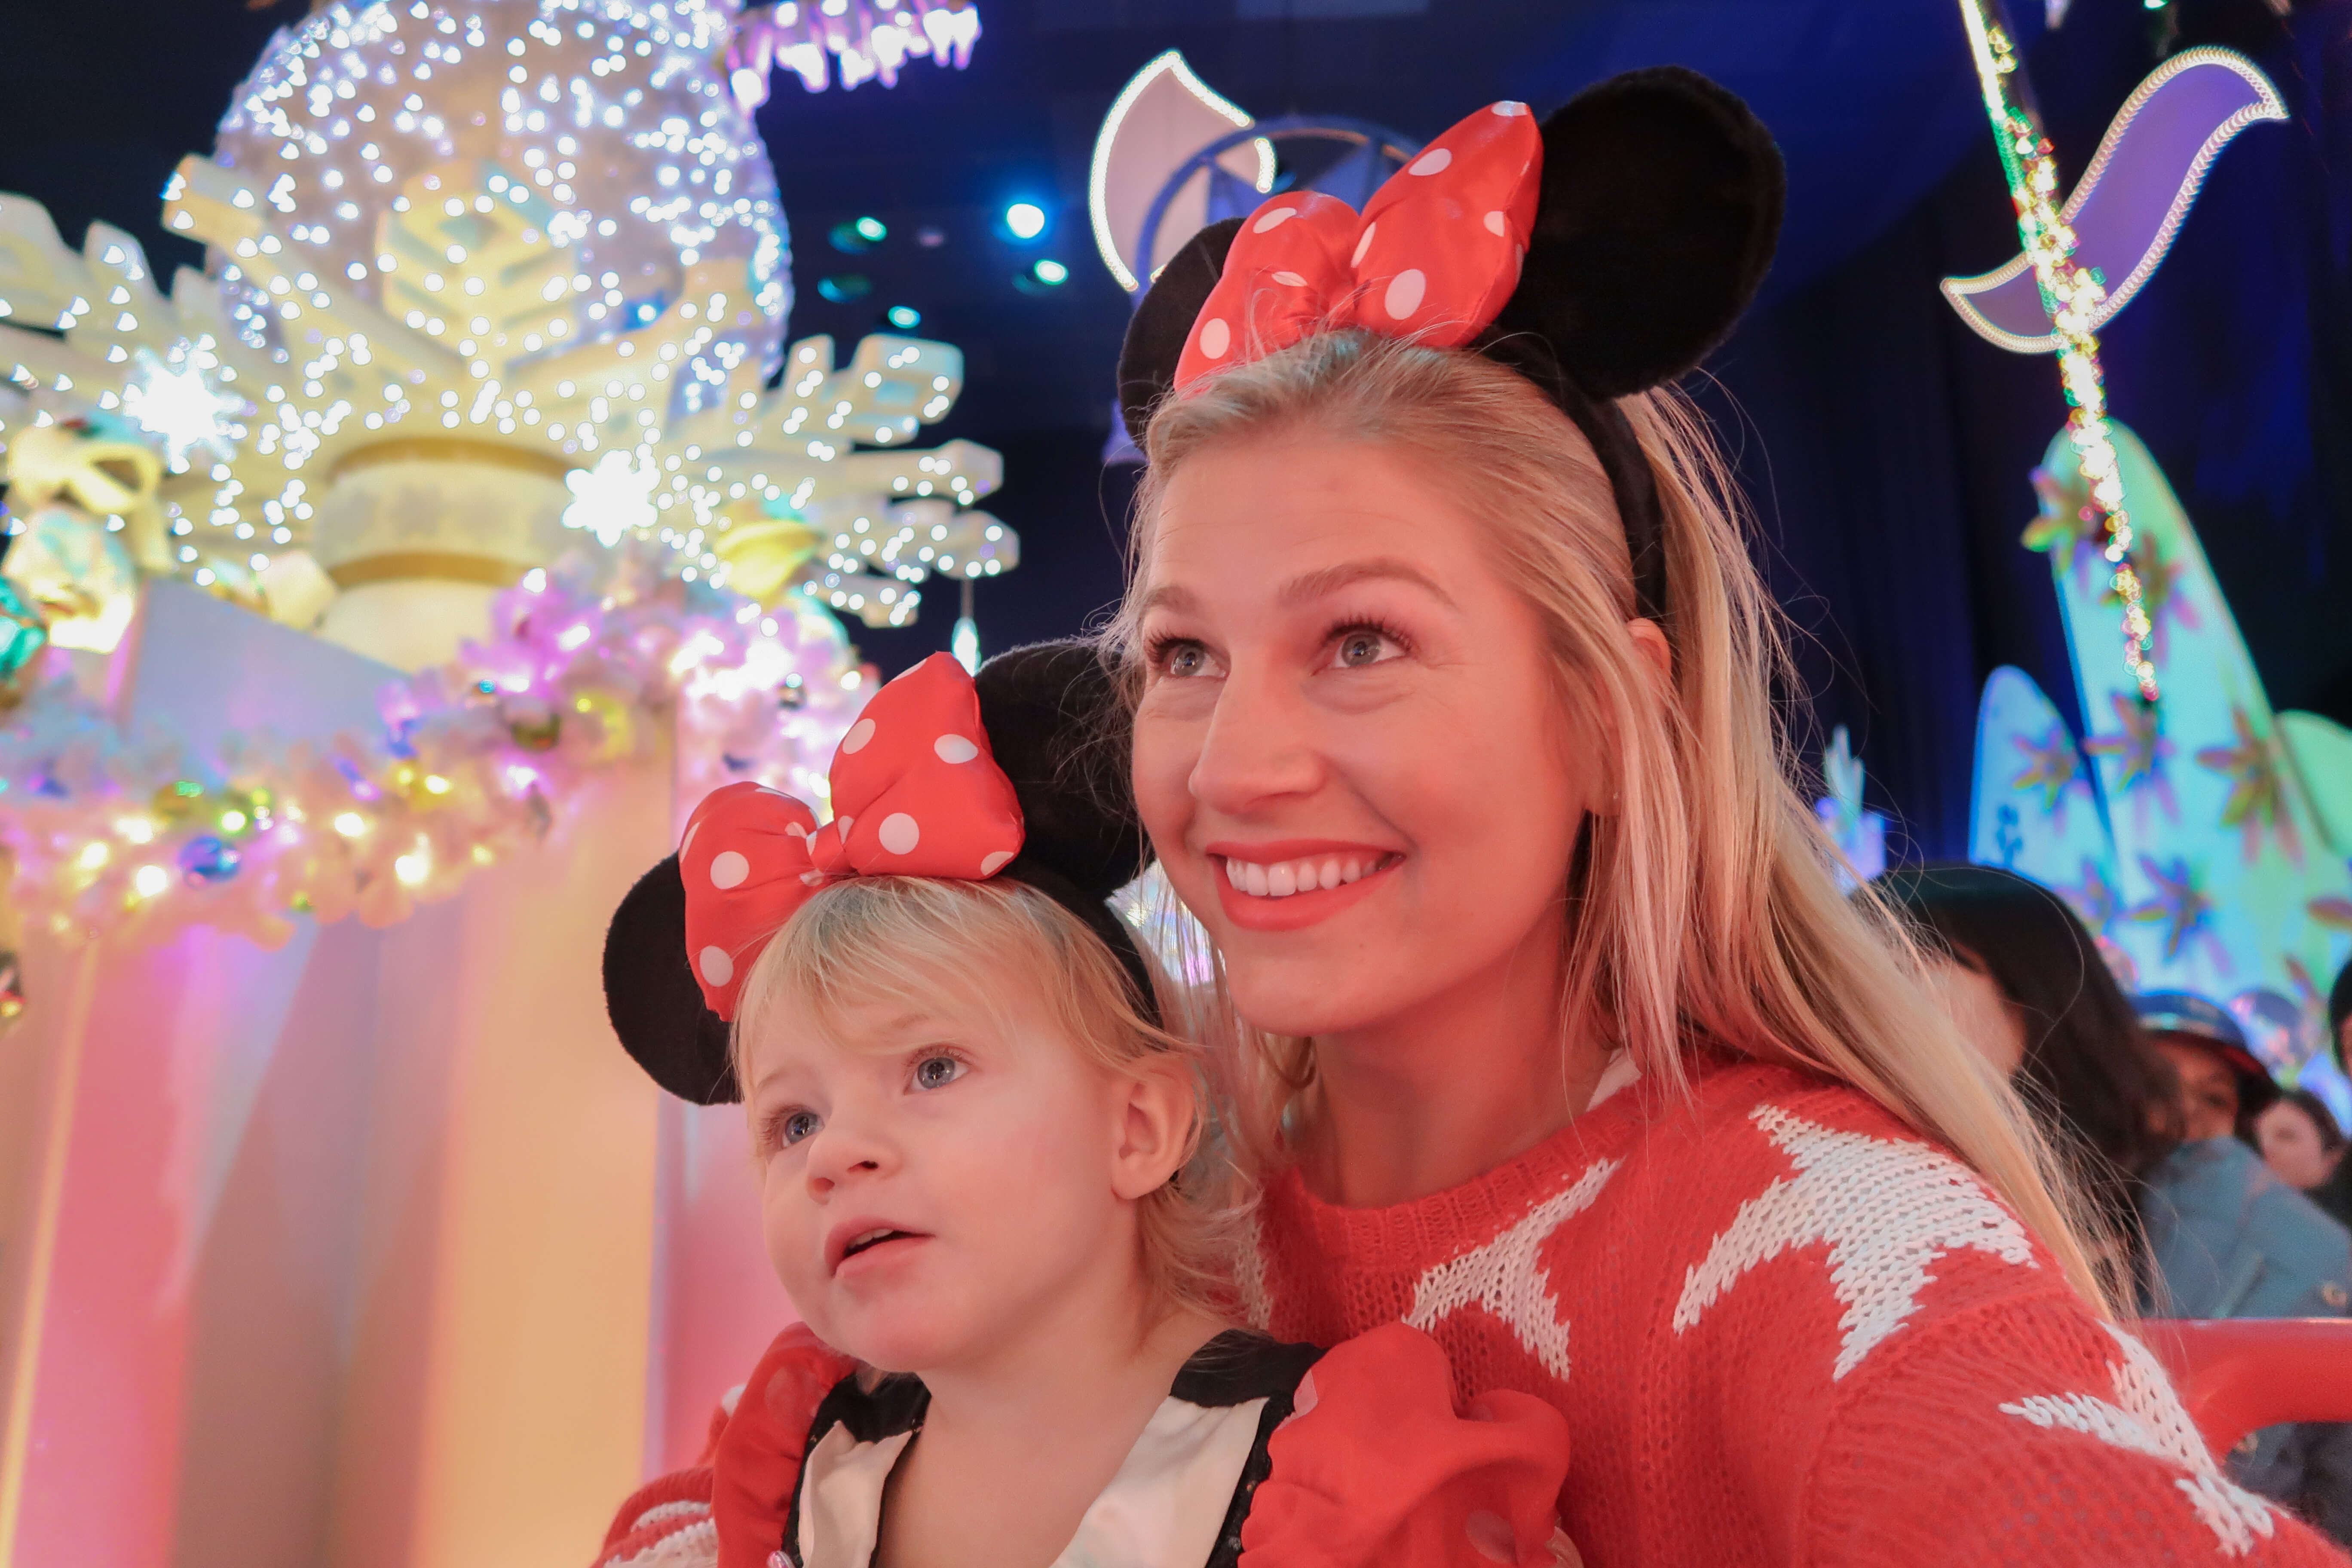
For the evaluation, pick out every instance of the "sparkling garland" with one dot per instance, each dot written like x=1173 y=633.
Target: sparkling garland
x=869 y=39
x=2071 y=294
x=131 y=838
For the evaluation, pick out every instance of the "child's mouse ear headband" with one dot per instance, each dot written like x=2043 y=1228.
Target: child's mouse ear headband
x=1018 y=772
x=1604 y=254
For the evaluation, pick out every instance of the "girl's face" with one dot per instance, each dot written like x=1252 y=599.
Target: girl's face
x=1347 y=751
x=2292 y=1148
x=934 y=1183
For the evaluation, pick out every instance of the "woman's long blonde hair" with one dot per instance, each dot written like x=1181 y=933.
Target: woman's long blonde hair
x=1708 y=907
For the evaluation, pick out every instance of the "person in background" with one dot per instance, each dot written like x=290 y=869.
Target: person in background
x=2196 y=1225
x=2024 y=979
x=2303 y=1147
x=2339 y=1015
x=2223 y=1085
x=2229 y=1239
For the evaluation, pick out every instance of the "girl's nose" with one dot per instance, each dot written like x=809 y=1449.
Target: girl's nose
x=841 y=1151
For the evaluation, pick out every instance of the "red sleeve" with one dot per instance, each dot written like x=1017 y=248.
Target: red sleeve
x=661 y=1522
x=730 y=1508
x=758 y=1462
x=2030 y=1433
x=1375 y=1466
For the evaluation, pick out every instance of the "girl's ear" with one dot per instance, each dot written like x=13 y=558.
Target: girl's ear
x=1160 y=1121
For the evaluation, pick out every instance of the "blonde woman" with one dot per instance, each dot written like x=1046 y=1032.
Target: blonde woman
x=1552 y=1032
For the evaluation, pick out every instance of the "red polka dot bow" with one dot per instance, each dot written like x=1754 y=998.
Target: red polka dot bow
x=1433 y=258
x=916 y=793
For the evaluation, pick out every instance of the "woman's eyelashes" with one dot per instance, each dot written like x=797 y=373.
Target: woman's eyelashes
x=1352 y=643
x=1360 y=643
x=1177 y=658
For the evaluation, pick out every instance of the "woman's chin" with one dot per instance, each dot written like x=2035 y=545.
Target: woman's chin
x=1302 y=999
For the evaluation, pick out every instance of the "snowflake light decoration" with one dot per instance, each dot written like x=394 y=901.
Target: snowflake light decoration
x=532 y=232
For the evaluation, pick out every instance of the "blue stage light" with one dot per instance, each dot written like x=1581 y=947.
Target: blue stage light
x=1026 y=220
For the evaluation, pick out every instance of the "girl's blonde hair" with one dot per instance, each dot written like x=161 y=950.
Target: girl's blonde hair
x=1708 y=906
x=932 y=942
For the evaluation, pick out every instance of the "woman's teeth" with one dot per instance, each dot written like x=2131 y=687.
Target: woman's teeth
x=1284 y=877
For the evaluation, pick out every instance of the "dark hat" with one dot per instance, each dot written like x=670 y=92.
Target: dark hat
x=2192 y=1016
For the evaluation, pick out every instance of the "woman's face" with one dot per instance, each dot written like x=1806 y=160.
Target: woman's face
x=1985 y=1017
x=1347 y=751
x=2291 y=1146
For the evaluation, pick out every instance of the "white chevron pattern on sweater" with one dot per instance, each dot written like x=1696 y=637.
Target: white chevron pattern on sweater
x=2146 y=1416
x=1504 y=1277
x=1888 y=1207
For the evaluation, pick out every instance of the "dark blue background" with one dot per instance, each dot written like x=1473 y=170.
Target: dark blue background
x=1885 y=449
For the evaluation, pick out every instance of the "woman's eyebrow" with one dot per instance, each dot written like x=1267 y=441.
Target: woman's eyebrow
x=1169 y=597
x=1332 y=579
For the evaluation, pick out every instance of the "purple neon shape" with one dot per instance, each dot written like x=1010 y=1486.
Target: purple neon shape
x=2129 y=203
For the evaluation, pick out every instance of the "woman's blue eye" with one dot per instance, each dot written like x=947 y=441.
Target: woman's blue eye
x=1183 y=660
x=1359 y=649
x=800 y=1124
x=937 y=1072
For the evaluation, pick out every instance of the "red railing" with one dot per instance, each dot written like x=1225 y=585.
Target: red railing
x=2244 y=1374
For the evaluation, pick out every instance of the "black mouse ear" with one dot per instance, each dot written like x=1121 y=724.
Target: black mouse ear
x=652 y=998
x=1058 y=729
x=1661 y=205
x=1162 y=321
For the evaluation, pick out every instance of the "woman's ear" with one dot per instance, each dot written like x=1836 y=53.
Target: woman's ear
x=1650 y=646
x=1650 y=638
x=1160 y=1121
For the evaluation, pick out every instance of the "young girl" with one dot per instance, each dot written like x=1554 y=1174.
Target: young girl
x=976 y=1154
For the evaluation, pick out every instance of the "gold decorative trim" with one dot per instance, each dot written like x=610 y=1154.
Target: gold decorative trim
x=430 y=566
x=449 y=449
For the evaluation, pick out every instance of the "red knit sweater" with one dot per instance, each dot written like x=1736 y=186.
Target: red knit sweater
x=1782 y=1330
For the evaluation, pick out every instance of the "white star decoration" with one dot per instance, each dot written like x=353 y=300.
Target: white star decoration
x=1504 y=1277
x=1888 y=1209
x=2146 y=1417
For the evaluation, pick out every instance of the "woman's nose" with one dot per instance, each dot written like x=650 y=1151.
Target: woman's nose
x=1257 y=746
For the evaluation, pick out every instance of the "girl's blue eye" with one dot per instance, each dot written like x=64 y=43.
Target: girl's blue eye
x=937 y=1072
x=800 y=1124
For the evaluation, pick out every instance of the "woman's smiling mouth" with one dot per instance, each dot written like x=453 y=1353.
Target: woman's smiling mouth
x=1286 y=886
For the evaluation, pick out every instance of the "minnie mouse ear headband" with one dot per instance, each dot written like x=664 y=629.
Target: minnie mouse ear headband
x=1607 y=253
x=1015 y=773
